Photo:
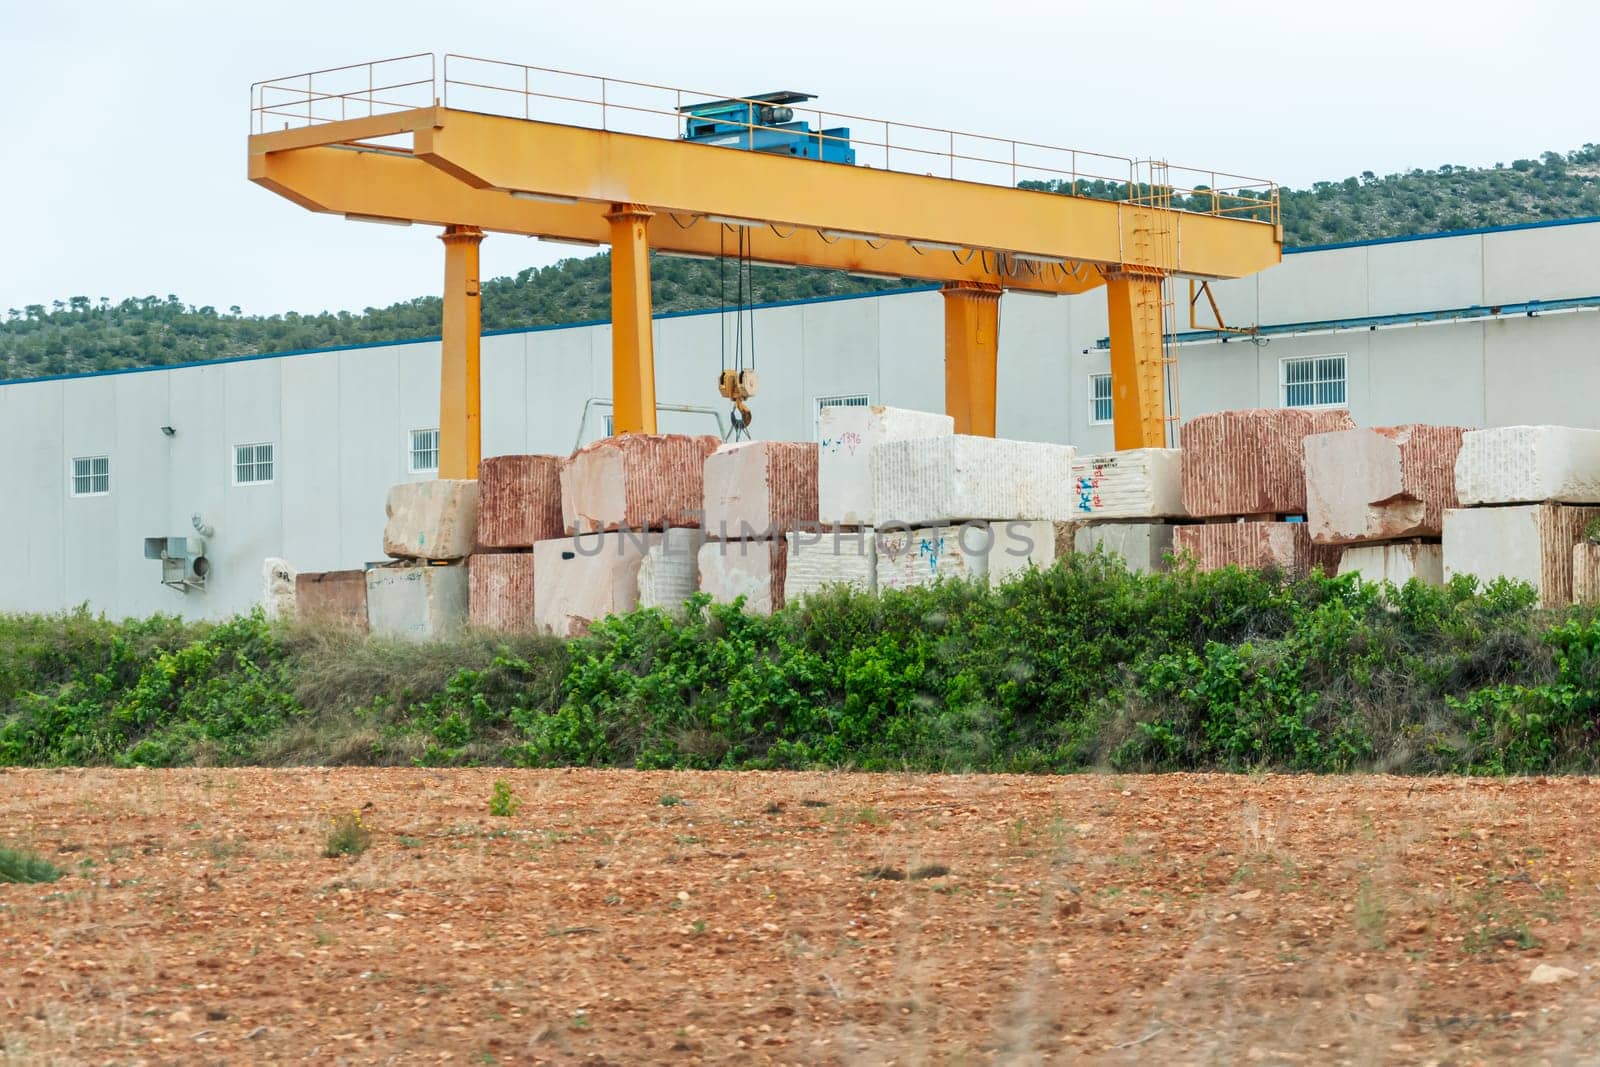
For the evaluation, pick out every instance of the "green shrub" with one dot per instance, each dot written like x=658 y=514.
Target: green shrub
x=18 y=866
x=502 y=802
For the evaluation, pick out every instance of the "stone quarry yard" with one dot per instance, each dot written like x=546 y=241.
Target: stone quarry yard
x=622 y=916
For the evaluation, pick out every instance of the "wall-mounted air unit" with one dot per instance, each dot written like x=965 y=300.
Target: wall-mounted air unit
x=183 y=561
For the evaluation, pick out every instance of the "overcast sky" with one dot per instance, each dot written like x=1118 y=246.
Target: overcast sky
x=124 y=165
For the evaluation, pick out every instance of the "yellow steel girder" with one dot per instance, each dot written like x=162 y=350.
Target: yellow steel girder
x=1134 y=306
x=460 y=394
x=971 y=356
x=389 y=185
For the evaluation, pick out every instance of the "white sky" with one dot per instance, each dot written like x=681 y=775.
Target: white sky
x=123 y=170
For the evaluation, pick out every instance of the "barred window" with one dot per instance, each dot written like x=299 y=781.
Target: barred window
x=91 y=476
x=844 y=400
x=1099 y=398
x=252 y=464
x=424 y=452
x=1313 y=382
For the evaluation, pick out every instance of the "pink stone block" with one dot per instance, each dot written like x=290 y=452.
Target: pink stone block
x=1284 y=546
x=1380 y=484
x=1251 y=462
x=519 y=501
x=577 y=580
x=760 y=489
x=635 y=482
x=500 y=590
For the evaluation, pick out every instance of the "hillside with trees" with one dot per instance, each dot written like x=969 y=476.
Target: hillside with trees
x=82 y=334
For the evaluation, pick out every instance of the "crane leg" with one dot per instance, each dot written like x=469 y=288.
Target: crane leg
x=1138 y=400
x=633 y=361
x=971 y=355
x=460 y=396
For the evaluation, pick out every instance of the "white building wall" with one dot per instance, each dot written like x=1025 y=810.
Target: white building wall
x=341 y=420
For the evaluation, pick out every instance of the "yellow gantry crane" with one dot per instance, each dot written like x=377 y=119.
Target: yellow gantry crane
x=508 y=148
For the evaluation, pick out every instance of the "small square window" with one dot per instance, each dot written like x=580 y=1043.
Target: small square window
x=252 y=464
x=611 y=426
x=1099 y=399
x=91 y=476
x=424 y=452
x=1313 y=382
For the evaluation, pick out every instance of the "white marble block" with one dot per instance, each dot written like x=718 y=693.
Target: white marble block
x=819 y=561
x=943 y=480
x=417 y=602
x=1529 y=464
x=1529 y=543
x=669 y=573
x=1143 y=546
x=846 y=437
x=754 y=570
x=1395 y=563
x=1140 y=483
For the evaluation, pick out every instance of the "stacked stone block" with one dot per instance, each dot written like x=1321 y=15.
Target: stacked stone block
x=756 y=493
x=1127 y=503
x=519 y=505
x=432 y=529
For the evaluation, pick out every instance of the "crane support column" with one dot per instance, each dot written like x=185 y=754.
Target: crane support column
x=971 y=355
x=633 y=360
x=1138 y=400
x=460 y=395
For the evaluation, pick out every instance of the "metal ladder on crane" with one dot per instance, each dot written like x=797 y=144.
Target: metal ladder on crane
x=1155 y=242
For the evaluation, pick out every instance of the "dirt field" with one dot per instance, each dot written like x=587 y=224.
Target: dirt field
x=628 y=917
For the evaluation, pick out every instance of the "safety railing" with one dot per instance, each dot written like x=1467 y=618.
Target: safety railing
x=359 y=90
x=549 y=94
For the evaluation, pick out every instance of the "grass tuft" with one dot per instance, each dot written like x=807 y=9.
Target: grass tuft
x=19 y=866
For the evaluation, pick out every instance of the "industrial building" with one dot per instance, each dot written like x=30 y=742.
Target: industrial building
x=290 y=455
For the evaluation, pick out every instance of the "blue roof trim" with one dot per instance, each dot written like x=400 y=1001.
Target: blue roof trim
x=435 y=337
x=1440 y=235
x=1528 y=308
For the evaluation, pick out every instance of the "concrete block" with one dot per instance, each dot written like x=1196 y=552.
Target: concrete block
x=577 y=580
x=1586 y=573
x=1530 y=543
x=760 y=489
x=635 y=482
x=754 y=570
x=1143 y=546
x=818 y=561
x=669 y=573
x=1284 y=546
x=945 y=480
x=847 y=437
x=1395 y=563
x=417 y=602
x=519 y=501
x=1251 y=462
x=332 y=596
x=1529 y=464
x=435 y=519
x=500 y=590
x=1380 y=484
x=1140 y=483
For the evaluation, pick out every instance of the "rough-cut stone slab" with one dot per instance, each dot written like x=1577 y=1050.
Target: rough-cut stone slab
x=577 y=580
x=944 y=480
x=669 y=574
x=332 y=596
x=760 y=489
x=519 y=501
x=1143 y=546
x=847 y=436
x=754 y=570
x=1140 y=483
x=1251 y=462
x=635 y=482
x=1380 y=484
x=1586 y=573
x=1396 y=564
x=435 y=519
x=1284 y=546
x=991 y=551
x=1529 y=464
x=1530 y=543
x=818 y=561
x=417 y=602
x=500 y=590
